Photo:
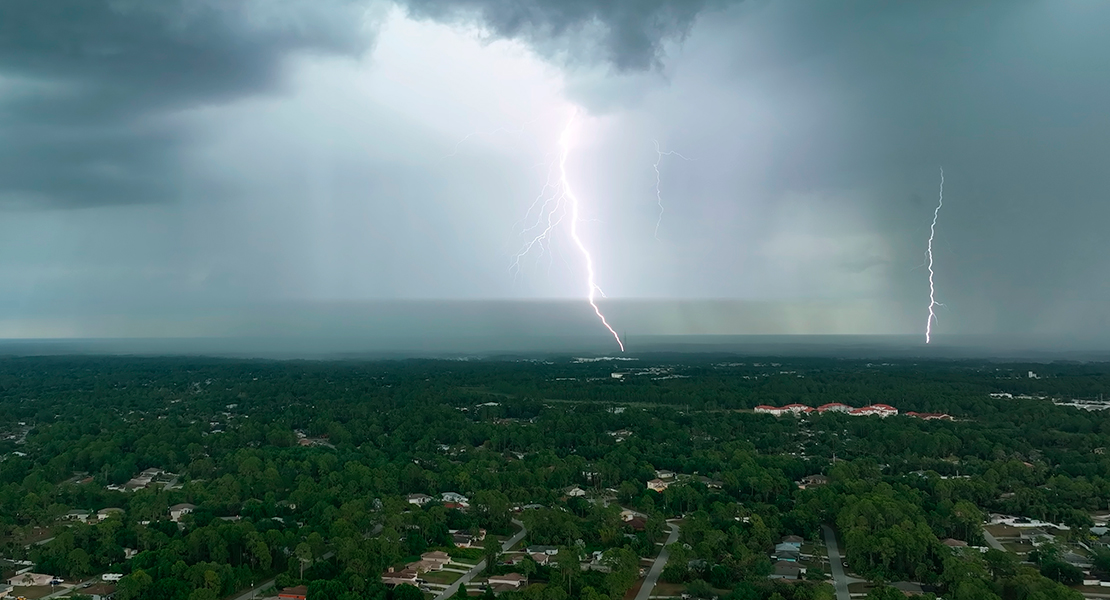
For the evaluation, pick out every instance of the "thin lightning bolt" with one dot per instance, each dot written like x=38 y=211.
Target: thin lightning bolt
x=932 y=290
x=557 y=201
x=659 y=154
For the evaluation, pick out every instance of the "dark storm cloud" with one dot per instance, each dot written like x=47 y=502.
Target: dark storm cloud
x=632 y=31
x=85 y=82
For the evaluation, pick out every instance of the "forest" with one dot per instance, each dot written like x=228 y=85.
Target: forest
x=299 y=472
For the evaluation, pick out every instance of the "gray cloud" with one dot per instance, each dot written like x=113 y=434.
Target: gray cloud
x=92 y=80
x=630 y=33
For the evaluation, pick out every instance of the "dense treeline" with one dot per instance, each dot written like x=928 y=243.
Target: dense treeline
x=332 y=514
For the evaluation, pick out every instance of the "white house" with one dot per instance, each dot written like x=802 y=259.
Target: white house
x=657 y=485
x=575 y=492
x=455 y=498
x=419 y=499
x=180 y=510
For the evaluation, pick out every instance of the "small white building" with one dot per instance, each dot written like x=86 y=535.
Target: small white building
x=575 y=492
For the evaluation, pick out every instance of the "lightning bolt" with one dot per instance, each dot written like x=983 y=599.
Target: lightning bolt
x=929 y=252
x=557 y=201
x=659 y=154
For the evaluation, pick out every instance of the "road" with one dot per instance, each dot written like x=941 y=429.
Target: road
x=658 y=566
x=66 y=590
x=253 y=592
x=840 y=580
x=509 y=543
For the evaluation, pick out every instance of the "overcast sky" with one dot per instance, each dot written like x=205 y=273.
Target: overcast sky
x=163 y=162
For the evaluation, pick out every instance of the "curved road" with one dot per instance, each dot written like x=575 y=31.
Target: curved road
x=658 y=566
x=509 y=543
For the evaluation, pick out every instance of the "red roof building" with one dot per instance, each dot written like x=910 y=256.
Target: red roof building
x=294 y=593
x=833 y=407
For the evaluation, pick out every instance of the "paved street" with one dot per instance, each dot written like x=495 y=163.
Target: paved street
x=659 y=564
x=509 y=543
x=840 y=580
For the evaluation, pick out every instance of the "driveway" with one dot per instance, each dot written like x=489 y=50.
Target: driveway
x=462 y=581
x=659 y=564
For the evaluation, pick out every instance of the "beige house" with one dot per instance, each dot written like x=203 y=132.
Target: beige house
x=657 y=485
x=31 y=579
x=511 y=580
x=395 y=578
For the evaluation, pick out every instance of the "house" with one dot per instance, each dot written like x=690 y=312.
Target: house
x=76 y=515
x=575 y=492
x=833 y=407
x=637 y=523
x=454 y=500
x=813 y=481
x=793 y=540
x=104 y=513
x=111 y=576
x=437 y=556
x=628 y=515
x=657 y=485
x=293 y=593
x=423 y=566
x=954 y=543
x=511 y=580
x=395 y=578
x=465 y=540
x=787 y=552
x=787 y=570
x=419 y=499
x=548 y=550
x=180 y=510
x=664 y=474
x=32 y=579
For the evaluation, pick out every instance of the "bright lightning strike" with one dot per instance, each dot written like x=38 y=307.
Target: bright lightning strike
x=557 y=201
x=659 y=154
x=929 y=252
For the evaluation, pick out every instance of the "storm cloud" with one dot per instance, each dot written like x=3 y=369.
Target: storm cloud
x=629 y=34
x=239 y=154
x=90 y=86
